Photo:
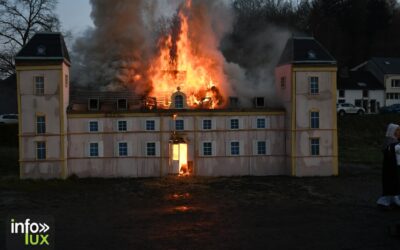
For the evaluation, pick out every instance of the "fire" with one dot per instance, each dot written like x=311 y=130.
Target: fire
x=183 y=63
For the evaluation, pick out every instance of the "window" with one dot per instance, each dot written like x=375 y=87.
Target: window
x=150 y=125
x=122 y=104
x=207 y=148
x=93 y=104
x=341 y=101
x=40 y=124
x=260 y=102
x=314 y=86
x=235 y=148
x=39 y=85
x=341 y=93
x=365 y=93
x=283 y=82
x=396 y=83
x=93 y=126
x=314 y=119
x=151 y=149
x=233 y=102
x=179 y=125
x=41 y=150
x=261 y=148
x=234 y=123
x=207 y=124
x=122 y=126
x=94 y=149
x=314 y=142
x=66 y=81
x=260 y=122
x=123 y=149
x=179 y=101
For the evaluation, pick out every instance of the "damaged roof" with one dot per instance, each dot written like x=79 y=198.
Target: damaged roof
x=45 y=46
x=305 y=50
x=359 y=80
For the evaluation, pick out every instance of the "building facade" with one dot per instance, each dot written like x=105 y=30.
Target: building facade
x=115 y=135
x=362 y=89
x=387 y=71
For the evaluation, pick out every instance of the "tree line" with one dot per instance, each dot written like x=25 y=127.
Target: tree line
x=351 y=30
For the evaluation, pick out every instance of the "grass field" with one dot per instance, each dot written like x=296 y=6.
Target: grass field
x=360 y=139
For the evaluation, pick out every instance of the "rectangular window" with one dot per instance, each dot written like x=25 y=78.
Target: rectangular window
x=41 y=150
x=150 y=125
x=396 y=83
x=314 y=85
x=283 y=82
x=40 y=124
x=207 y=124
x=234 y=123
x=261 y=148
x=122 y=126
x=66 y=81
x=123 y=149
x=365 y=93
x=314 y=119
x=122 y=104
x=341 y=93
x=179 y=125
x=94 y=149
x=207 y=148
x=39 y=85
x=94 y=104
x=314 y=142
x=260 y=102
x=235 y=148
x=151 y=149
x=260 y=122
x=93 y=126
x=233 y=102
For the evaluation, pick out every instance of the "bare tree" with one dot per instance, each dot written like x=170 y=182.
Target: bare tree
x=19 y=21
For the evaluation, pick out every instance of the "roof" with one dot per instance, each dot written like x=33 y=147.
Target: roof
x=388 y=65
x=8 y=95
x=305 y=50
x=108 y=104
x=44 y=46
x=359 y=80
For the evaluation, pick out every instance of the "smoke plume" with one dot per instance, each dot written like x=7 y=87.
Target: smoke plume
x=123 y=48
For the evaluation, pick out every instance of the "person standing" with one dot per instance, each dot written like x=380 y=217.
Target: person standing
x=391 y=167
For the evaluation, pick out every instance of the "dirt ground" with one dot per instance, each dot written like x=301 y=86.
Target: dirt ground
x=210 y=213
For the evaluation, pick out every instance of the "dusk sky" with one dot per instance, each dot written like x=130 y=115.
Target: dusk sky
x=74 y=15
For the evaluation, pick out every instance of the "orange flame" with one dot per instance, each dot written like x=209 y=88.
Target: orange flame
x=181 y=63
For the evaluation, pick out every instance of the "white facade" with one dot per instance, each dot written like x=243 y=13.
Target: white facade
x=370 y=101
x=392 y=85
x=137 y=163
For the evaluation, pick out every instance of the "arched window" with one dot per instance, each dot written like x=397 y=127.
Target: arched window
x=179 y=101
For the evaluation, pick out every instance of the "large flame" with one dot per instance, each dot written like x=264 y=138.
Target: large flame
x=182 y=64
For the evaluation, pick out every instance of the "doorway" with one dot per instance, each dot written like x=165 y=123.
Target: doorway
x=179 y=158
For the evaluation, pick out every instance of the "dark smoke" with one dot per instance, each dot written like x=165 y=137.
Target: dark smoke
x=116 y=53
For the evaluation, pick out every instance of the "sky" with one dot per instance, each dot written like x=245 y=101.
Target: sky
x=74 y=15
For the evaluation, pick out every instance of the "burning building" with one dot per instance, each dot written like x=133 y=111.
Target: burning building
x=188 y=123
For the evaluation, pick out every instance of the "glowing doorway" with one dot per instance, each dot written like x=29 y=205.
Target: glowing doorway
x=179 y=156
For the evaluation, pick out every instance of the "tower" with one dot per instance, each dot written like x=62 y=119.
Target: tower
x=43 y=96
x=306 y=83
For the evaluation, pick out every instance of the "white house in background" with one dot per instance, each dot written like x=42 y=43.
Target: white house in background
x=109 y=134
x=362 y=89
x=387 y=71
